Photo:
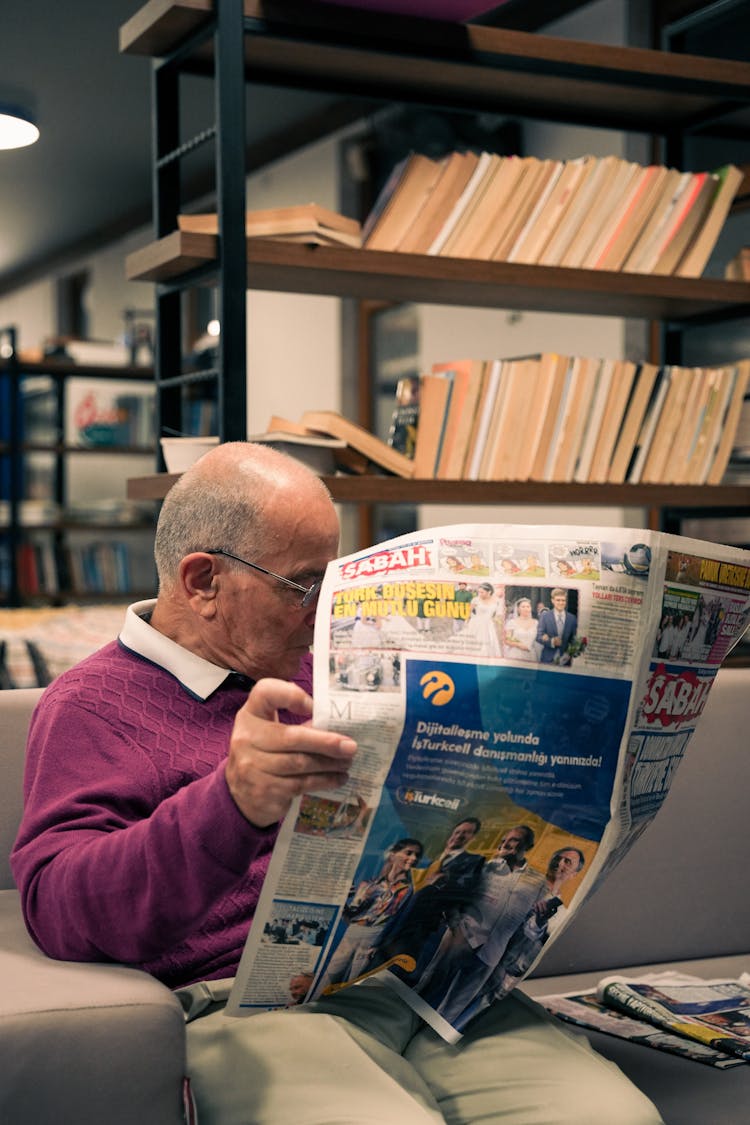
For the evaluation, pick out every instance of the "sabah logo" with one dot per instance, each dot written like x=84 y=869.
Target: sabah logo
x=438 y=687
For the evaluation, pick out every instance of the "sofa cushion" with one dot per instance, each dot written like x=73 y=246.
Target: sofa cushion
x=84 y=1044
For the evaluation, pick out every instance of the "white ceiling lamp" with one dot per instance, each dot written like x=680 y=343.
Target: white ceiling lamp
x=17 y=128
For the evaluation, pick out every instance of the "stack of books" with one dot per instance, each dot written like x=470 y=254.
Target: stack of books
x=303 y=222
x=560 y=418
x=329 y=443
x=589 y=213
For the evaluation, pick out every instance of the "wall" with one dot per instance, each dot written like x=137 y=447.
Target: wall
x=33 y=308
x=294 y=341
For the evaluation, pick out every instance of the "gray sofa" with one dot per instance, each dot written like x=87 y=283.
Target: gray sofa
x=95 y=1044
x=80 y=1044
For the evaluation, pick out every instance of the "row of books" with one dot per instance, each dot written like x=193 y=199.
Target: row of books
x=589 y=213
x=107 y=567
x=553 y=417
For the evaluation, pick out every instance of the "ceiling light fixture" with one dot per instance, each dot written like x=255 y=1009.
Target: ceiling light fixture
x=17 y=128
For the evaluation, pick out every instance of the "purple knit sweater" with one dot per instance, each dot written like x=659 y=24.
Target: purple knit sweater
x=131 y=848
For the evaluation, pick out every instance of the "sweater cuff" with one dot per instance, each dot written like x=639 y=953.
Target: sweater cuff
x=225 y=834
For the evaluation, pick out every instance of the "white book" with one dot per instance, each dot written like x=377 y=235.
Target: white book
x=562 y=411
x=483 y=164
x=480 y=438
x=593 y=423
x=516 y=252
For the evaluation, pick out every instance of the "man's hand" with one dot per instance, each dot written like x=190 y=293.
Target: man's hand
x=270 y=763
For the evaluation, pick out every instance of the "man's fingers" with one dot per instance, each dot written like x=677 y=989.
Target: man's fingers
x=270 y=696
x=270 y=763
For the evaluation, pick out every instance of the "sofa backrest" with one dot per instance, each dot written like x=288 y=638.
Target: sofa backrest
x=16 y=706
x=681 y=891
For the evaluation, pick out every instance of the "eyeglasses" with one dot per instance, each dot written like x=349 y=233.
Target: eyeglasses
x=309 y=593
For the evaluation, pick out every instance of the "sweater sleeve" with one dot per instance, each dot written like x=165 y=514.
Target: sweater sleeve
x=109 y=865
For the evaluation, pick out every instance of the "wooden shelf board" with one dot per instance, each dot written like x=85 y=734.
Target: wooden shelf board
x=80 y=525
x=160 y=25
x=495 y=69
x=369 y=489
x=58 y=448
x=62 y=369
x=395 y=490
x=366 y=274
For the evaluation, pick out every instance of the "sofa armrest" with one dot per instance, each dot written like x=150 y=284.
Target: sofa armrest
x=84 y=1043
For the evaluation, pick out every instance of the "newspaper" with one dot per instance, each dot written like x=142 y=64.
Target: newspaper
x=713 y=1012
x=506 y=760
x=584 y=1009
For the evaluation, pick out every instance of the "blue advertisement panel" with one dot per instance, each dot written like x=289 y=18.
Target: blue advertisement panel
x=492 y=742
x=498 y=794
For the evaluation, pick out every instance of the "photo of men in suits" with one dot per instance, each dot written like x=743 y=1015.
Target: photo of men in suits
x=477 y=936
x=444 y=886
x=557 y=627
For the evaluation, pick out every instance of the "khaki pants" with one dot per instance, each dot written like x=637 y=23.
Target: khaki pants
x=362 y=1057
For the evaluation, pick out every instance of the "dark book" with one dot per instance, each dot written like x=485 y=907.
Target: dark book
x=402 y=432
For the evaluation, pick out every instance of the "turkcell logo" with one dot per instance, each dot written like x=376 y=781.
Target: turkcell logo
x=437 y=688
x=411 y=796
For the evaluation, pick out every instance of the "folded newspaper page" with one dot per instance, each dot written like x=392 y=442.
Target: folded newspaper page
x=584 y=1009
x=521 y=697
x=713 y=1012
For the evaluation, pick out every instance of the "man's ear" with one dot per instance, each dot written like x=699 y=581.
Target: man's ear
x=198 y=579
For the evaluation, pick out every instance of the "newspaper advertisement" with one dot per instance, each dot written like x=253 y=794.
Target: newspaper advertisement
x=585 y=1009
x=521 y=697
x=715 y=1013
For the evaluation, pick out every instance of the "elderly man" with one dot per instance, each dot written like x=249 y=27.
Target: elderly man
x=158 y=771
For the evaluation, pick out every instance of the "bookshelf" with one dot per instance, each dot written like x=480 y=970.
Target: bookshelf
x=340 y=272
x=54 y=546
x=405 y=59
x=374 y=489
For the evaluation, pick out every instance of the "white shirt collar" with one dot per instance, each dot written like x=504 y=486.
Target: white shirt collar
x=198 y=676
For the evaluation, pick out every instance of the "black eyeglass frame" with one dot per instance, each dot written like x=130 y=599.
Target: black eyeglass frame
x=309 y=593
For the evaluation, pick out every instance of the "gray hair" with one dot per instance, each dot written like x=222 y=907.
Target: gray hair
x=223 y=504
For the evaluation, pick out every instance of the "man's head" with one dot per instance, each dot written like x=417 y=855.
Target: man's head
x=559 y=599
x=514 y=844
x=461 y=833
x=252 y=502
x=299 y=986
x=564 y=864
